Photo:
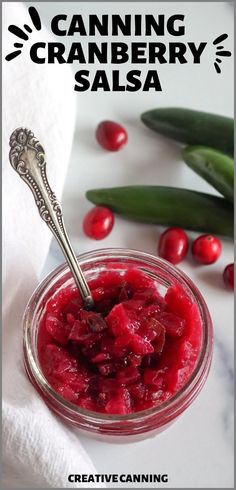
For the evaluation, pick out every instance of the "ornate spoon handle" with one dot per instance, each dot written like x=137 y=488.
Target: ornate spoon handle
x=27 y=157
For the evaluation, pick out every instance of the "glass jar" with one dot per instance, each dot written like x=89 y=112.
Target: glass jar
x=143 y=423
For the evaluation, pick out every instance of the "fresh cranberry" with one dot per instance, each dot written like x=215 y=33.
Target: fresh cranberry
x=173 y=245
x=228 y=276
x=111 y=136
x=206 y=249
x=98 y=223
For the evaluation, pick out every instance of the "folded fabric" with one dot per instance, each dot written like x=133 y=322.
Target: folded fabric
x=39 y=451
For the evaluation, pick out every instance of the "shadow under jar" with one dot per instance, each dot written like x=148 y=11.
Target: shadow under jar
x=142 y=423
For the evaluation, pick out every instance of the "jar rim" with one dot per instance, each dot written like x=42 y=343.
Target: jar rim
x=166 y=409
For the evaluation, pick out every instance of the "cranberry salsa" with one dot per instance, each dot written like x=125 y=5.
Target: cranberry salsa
x=134 y=351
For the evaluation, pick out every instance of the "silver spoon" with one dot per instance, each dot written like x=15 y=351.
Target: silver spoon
x=27 y=157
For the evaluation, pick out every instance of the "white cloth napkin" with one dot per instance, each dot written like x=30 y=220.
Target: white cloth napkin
x=39 y=451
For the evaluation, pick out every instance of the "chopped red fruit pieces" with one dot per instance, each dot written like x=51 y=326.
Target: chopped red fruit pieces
x=107 y=368
x=67 y=393
x=138 y=391
x=96 y=322
x=140 y=345
x=57 y=329
x=174 y=326
x=70 y=319
x=134 y=304
x=133 y=359
x=87 y=403
x=128 y=375
x=148 y=295
x=137 y=280
x=101 y=357
x=153 y=377
x=120 y=403
x=152 y=311
x=131 y=353
x=78 y=330
x=119 y=321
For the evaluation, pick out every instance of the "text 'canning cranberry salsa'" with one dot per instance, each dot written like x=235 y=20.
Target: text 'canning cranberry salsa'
x=134 y=351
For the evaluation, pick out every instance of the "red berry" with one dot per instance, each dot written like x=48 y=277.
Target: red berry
x=111 y=136
x=98 y=223
x=228 y=276
x=206 y=249
x=173 y=245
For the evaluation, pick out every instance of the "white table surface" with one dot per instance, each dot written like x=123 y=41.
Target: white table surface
x=197 y=451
